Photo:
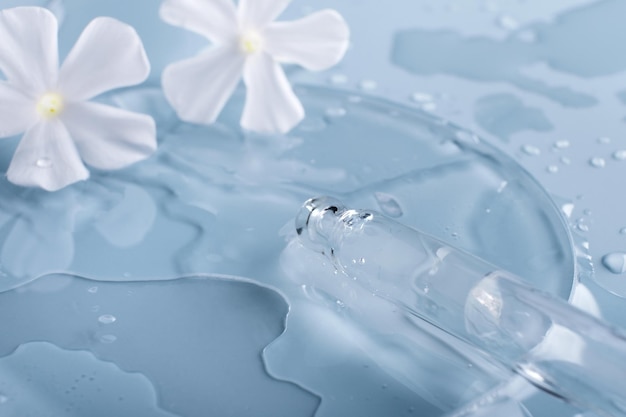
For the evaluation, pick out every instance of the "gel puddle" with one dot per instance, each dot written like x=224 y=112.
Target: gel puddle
x=198 y=341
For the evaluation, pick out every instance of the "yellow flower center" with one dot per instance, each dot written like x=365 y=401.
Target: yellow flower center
x=251 y=42
x=50 y=105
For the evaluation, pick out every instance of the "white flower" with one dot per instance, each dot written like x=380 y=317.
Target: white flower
x=249 y=45
x=50 y=103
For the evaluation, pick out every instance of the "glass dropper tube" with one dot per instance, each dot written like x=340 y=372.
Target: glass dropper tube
x=553 y=345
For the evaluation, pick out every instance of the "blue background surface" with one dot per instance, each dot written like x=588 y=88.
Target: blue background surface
x=544 y=81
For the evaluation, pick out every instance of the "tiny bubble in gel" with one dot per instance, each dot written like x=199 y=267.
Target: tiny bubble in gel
x=107 y=319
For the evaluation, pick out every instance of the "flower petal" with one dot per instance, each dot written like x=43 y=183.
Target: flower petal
x=214 y=19
x=109 y=54
x=108 y=137
x=28 y=48
x=316 y=42
x=198 y=88
x=271 y=105
x=17 y=111
x=256 y=14
x=47 y=158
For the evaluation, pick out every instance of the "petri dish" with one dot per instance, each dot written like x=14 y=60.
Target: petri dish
x=173 y=279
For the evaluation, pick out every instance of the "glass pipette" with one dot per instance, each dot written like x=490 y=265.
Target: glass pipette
x=552 y=344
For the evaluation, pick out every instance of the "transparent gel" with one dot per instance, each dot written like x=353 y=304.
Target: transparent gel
x=550 y=343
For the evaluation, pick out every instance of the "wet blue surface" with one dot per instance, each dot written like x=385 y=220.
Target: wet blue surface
x=532 y=78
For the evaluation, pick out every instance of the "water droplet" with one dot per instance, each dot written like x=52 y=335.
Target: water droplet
x=507 y=22
x=335 y=112
x=567 y=209
x=338 y=79
x=388 y=204
x=552 y=169
x=582 y=226
x=562 y=144
x=44 y=163
x=3 y=399
x=441 y=254
x=622 y=231
x=107 y=319
x=108 y=338
x=604 y=140
x=597 y=162
x=421 y=97
x=531 y=150
x=615 y=262
x=565 y=160
x=93 y=290
x=368 y=85
x=620 y=155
